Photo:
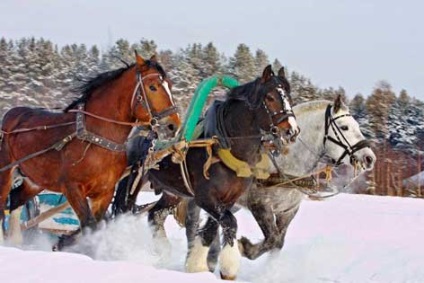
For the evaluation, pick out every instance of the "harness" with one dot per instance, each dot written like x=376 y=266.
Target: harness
x=139 y=96
x=340 y=139
x=308 y=181
x=84 y=135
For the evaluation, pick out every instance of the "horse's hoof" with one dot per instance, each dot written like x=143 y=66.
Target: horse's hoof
x=228 y=277
x=247 y=249
x=244 y=245
x=65 y=241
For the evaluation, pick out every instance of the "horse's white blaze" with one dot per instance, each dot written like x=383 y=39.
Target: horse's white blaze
x=167 y=90
x=293 y=124
x=229 y=260
x=197 y=257
x=15 y=233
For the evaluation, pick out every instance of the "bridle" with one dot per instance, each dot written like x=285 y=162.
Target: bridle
x=285 y=111
x=340 y=139
x=140 y=97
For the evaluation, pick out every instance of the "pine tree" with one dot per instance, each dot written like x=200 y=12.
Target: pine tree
x=378 y=106
x=276 y=65
x=6 y=50
x=261 y=61
x=302 y=88
x=212 y=60
x=242 y=64
x=404 y=100
x=148 y=48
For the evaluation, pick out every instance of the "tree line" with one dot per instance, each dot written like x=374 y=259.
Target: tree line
x=36 y=72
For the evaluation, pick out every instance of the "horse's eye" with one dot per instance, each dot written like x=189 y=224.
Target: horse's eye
x=270 y=98
x=152 y=88
x=344 y=128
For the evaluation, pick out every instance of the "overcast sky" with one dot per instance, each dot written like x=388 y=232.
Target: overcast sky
x=352 y=44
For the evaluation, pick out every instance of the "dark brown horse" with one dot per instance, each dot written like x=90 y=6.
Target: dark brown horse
x=330 y=136
x=80 y=152
x=252 y=112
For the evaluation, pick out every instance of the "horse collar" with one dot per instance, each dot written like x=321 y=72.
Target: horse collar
x=87 y=136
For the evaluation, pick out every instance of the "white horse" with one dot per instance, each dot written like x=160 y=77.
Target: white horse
x=329 y=135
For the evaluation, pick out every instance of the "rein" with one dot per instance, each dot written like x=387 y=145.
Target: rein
x=132 y=124
x=39 y=128
x=328 y=176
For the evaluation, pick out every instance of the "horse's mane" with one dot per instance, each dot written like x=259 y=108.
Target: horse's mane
x=92 y=83
x=252 y=94
x=312 y=106
x=246 y=92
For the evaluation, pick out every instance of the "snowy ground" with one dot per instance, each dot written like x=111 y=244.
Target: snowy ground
x=347 y=238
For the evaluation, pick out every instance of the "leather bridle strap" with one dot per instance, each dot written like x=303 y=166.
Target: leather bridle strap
x=348 y=149
x=140 y=96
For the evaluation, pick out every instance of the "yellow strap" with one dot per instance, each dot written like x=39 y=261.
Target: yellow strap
x=328 y=175
x=242 y=168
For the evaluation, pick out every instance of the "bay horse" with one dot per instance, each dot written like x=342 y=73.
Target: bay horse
x=80 y=152
x=250 y=113
x=330 y=135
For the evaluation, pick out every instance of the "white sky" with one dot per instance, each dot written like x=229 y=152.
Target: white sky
x=352 y=44
x=346 y=239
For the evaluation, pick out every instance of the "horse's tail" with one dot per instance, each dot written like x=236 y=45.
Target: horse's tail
x=180 y=212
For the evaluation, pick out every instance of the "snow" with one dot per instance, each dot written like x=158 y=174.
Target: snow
x=346 y=238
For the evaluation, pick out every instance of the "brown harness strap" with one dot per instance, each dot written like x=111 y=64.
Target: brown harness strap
x=58 y=146
x=90 y=137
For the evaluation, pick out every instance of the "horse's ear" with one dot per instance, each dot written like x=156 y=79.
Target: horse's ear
x=267 y=74
x=154 y=58
x=338 y=103
x=282 y=72
x=140 y=61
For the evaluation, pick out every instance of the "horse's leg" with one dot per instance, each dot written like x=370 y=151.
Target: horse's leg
x=192 y=222
x=159 y=212
x=5 y=187
x=283 y=221
x=18 y=197
x=100 y=204
x=229 y=257
x=264 y=216
x=79 y=204
x=199 y=248
x=192 y=217
x=120 y=204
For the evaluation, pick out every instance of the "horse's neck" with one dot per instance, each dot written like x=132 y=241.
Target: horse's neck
x=112 y=101
x=305 y=153
x=244 y=132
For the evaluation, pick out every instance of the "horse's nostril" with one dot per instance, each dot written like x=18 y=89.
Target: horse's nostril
x=171 y=127
x=368 y=160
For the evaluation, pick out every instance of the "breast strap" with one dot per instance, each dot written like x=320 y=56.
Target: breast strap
x=87 y=136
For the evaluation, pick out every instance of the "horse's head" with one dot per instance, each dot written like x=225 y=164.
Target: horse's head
x=152 y=101
x=275 y=93
x=343 y=140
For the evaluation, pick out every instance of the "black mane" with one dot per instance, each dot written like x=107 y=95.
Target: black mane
x=253 y=93
x=92 y=83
